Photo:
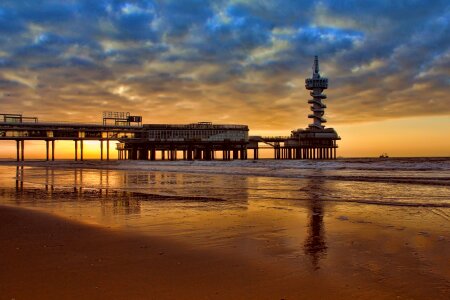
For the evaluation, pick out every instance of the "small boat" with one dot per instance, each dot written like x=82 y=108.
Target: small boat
x=384 y=155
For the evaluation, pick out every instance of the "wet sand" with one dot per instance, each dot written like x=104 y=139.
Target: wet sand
x=137 y=234
x=44 y=257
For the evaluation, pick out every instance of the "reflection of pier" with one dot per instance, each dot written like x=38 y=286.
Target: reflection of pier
x=122 y=192
x=315 y=245
x=111 y=200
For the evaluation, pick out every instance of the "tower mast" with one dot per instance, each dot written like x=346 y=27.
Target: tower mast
x=316 y=85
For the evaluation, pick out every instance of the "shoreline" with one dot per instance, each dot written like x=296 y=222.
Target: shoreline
x=432 y=171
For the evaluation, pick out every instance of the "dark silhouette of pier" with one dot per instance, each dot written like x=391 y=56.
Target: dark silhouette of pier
x=196 y=141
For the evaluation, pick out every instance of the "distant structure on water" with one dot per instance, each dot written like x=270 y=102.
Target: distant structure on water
x=201 y=141
x=321 y=141
x=314 y=142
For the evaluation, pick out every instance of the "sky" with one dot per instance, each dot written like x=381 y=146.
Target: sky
x=238 y=62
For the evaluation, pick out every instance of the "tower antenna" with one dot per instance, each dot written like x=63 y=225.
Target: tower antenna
x=316 y=65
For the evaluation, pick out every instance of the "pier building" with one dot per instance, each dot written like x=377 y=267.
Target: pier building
x=191 y=141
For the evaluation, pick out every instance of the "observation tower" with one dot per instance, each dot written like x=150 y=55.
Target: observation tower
x=316 y=141
x=316 y=85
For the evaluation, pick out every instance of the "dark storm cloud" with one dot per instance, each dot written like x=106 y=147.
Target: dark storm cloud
x=231 y=61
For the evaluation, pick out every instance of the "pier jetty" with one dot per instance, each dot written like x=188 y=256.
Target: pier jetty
x=197 y=141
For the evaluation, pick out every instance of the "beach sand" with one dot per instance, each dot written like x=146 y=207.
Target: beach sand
x=44 y=257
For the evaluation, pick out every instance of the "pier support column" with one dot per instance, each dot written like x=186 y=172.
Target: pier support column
x=101 y=149
x=22 y=148
x=189 y=154
x=76 y=150
x=134 y=153
x=152 y=154
x=207 y=155
x=235 y=154
x=53 y=150
x=197 y=154
x=18 y=150
x=143 y=154
x=81 y=150
x=107 y=150
x=47 y=150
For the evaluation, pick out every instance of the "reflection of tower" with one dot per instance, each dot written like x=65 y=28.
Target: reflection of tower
x=317 y=84
x=315 y=245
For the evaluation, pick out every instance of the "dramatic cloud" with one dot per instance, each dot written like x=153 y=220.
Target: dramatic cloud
x=224 y=61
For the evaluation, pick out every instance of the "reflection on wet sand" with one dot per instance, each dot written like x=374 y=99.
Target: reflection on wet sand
x=124 y=197
x=115 y=201
x=315 y=245
x=111 y=201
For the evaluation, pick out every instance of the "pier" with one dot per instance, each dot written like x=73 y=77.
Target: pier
x=196 y=141
x=20 y=129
